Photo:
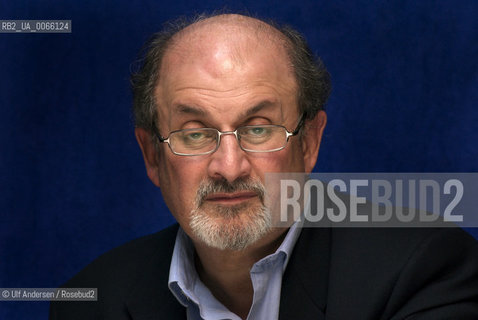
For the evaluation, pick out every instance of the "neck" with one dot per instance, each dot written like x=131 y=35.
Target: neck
x=226 y=272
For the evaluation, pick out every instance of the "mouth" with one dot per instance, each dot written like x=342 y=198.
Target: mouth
x=229 y=199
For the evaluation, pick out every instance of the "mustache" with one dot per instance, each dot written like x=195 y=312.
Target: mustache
x=210 y=186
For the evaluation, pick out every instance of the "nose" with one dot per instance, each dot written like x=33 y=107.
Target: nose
x=229 y=161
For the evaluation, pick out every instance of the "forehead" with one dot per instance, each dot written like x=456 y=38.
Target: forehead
x=231 y=37
x=230 y=62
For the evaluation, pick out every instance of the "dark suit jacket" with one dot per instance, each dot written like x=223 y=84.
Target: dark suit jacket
x=332 y=274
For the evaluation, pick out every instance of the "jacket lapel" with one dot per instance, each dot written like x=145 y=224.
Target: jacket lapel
x=305 y=281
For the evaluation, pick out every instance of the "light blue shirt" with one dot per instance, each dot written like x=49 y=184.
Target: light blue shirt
x=266 y=276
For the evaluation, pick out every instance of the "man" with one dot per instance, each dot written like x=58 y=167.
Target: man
x=219 y=103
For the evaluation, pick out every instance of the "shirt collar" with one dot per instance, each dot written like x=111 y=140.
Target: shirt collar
x=182 y=272
x=287 y=246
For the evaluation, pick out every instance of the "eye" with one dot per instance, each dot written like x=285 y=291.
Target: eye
x=194 y=136
x=256 y=134
x=257 y=131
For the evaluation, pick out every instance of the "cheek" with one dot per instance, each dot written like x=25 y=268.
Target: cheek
x=179 y=179
x=295 y=156
x=289 y=159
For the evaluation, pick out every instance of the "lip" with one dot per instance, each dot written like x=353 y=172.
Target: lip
x=231 y=198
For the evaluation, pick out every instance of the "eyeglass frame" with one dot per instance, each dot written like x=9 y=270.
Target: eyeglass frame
x=234 y=132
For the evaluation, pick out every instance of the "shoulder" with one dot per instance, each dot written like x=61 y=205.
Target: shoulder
x=392 y=247
x=406 y=271
x=117 y=273
x=403 y=247
x=129 y=258
x=400 y=242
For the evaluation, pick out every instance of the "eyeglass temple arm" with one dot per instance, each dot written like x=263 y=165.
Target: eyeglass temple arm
x=160 y=138
x=299 y=126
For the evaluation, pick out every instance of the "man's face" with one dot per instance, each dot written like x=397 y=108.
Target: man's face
x=224 y=82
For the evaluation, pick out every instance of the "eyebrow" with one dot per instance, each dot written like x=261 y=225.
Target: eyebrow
x=257 y=108
x=182 y=108
x=198 y=111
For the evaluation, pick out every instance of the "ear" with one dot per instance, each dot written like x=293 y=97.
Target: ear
x=150 y=154
x=311 y=138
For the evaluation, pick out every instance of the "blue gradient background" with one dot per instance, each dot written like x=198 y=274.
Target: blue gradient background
x=72 y=178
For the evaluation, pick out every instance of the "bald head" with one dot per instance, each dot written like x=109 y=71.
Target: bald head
x=232 y=25
x=224 y=43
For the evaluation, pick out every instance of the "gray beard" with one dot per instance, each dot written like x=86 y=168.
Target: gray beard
x=230 y=227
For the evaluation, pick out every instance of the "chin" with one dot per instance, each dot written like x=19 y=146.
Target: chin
x=230 y=227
